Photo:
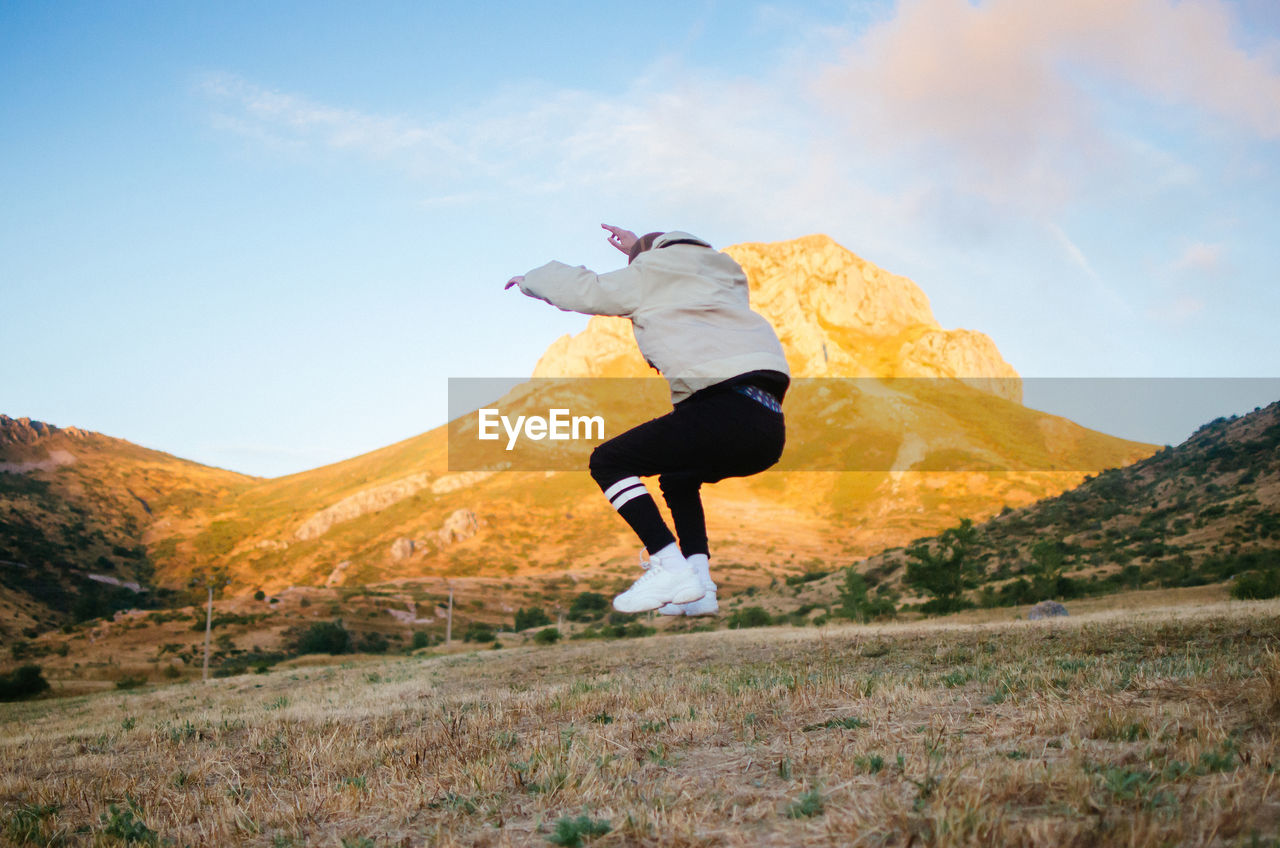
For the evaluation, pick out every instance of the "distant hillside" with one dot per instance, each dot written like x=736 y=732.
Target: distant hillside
x=398 y=513
x=1205 y=511
x=74 y=509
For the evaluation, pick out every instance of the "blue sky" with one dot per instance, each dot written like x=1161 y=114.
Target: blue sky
x=263 y=236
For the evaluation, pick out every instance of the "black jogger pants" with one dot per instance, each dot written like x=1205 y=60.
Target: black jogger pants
x=710 y=436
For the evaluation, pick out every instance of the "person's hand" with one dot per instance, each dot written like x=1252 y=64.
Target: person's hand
x=514 y=281
x=620 y=238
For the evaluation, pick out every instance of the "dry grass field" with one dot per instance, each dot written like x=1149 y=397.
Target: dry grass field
x=1153 y=726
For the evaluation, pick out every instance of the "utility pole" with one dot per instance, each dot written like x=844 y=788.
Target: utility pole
x=217 y=578
x=448 y=627
x=208 y=632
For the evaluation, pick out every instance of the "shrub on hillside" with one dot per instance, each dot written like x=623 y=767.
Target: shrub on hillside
x=750 y=617
x=531 y=617
x=588 y=606
x=479 y=631
x=859 y=605
x=807 y=577
x=323 y=637
x=373 y=643
x=1255 y=585
x=942 y=606
x=547 y=636
x=25 y=682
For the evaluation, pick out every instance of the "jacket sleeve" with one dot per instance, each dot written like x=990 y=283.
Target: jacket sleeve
x=580 y=290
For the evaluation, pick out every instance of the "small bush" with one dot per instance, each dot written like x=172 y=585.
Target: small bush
x=806 y=806
x=421 y=639
x=588 y=606
x=26 y=682
x=807 y=577
x=570 y=832
x=373 y=643
x=25 y=825
x=750 y=617
x=323 y=637
x=479 y=631
x=131 y=681
x=942 y=606
x=126 y=824
x=547 y=636
x=1256 y=585
x=531 y=617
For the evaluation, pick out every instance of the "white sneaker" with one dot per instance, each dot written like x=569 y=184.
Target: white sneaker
x=707 y=604
x=667 y=579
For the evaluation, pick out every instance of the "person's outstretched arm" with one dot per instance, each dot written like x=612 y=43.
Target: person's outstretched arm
x=577 y=289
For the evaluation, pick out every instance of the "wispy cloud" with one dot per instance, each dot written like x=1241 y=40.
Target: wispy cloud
x=1200 y=258
x=739 y=144
x=1072 y=250
x=944 y=114
x=290 y=121
x=1003 y=97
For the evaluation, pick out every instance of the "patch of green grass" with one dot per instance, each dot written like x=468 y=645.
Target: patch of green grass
x=452 y=801
x=806 y=806
x=182 y=732
x=871 y=764
x=25 y=825
x=126 y=824
x=1223 y=758
x=571 y=832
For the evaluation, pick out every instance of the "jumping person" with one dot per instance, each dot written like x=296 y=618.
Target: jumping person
x=689 y=309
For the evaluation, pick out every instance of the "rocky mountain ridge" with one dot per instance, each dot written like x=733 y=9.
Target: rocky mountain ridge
x=836 y=314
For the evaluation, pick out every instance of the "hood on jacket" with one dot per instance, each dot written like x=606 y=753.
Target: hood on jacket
x=677 y=236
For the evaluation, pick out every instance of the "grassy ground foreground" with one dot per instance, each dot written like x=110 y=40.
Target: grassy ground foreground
x=1149 y=727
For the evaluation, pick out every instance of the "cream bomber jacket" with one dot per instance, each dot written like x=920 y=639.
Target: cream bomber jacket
x=688 y=306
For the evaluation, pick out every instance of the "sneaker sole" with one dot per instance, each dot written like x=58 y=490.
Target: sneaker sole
x=689 y=594
x=710 y=608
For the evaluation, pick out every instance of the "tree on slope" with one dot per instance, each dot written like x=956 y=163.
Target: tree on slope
x=944 y=568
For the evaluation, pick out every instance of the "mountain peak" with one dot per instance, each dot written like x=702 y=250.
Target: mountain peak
x=836 y=314
x=27 y=431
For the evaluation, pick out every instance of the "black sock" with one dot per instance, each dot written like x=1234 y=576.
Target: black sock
x=634 y=503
